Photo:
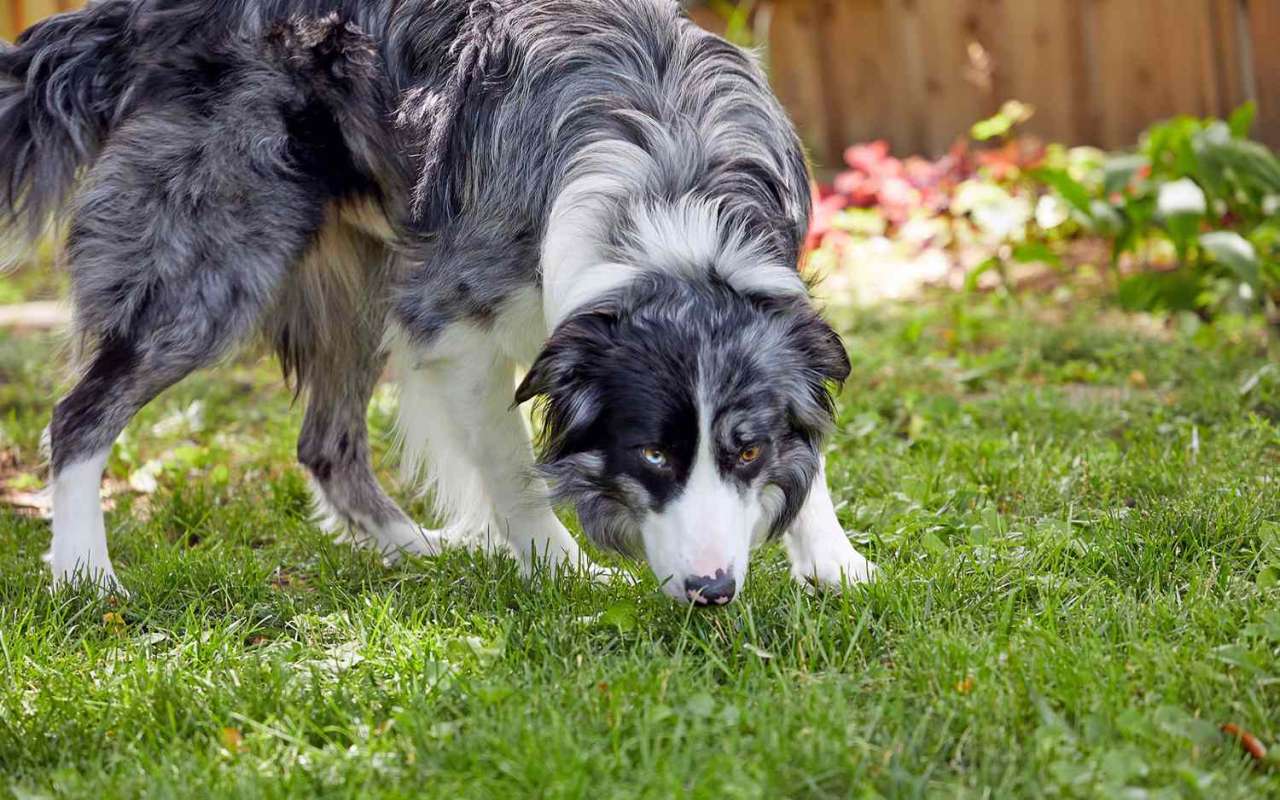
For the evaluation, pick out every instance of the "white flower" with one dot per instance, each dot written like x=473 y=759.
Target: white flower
x=1051 y=212
x=1181 y=198
x=1000 y=216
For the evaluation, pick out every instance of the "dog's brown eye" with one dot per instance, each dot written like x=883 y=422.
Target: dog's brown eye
x=749 y=454
x=654 y=456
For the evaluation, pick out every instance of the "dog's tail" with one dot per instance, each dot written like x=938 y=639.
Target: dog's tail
x=62 y=86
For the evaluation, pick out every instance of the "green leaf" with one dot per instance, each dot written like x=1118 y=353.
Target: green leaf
x=933 y=544
x=1011 y=113
x=621 y=616
x=1269 y=532
x=1107 y=221
x=1118 y=172
x=1177 y=722
x=1035 y=253
x=1168 y=146
x=971 y=280
x=1268 y=577
x=1234 y=252
x=1182 y=230
x=1068 y=187
x=991 y=128
x=1236 y=163
x=1242 y=119
x=1160 y=291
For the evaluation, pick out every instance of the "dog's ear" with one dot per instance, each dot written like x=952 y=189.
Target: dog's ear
x=823 y=350
x=822 y=357
x=573 y=347
x=541 y=376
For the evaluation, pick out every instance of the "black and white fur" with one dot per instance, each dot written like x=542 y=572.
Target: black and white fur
x=595 y=189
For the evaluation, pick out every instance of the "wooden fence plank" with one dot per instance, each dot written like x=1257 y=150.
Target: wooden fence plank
x=35 y=10
x=10 y=20
x=957 y=37
x=1228 y=56
x=798 y=73
x=1264 y=32
x=1036 y=57
x=868 y=94
x=1148 y=57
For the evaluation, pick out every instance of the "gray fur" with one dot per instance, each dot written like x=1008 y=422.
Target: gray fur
x=219 y=146
x=557 y=76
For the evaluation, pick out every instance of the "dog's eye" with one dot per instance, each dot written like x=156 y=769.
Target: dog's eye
x=749 y=454
x=653 y=456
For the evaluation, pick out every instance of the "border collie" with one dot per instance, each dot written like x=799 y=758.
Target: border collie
x=597 y=190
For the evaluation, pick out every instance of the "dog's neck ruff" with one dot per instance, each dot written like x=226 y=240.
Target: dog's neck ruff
x=605 y=230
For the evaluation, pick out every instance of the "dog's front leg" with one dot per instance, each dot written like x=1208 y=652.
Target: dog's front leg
x=819 y=550
x=463 y=438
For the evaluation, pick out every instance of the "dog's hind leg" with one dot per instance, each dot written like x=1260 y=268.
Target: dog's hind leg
x=172 y=337
x=180 y=239
x=334 y=447
x=330 y=332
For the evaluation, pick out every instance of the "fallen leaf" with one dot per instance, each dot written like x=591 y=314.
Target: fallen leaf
x=1247 y=740
x=232 y=739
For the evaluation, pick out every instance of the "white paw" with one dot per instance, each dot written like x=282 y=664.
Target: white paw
x=398 y=540
x=833 y=568
x=98 y=576
x=574 y=563
x=601 y=574
x=393 y=541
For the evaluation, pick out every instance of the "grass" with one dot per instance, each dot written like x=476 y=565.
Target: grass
x=1077 y=514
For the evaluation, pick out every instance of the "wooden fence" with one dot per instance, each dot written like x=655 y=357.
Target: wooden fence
x=920 y=72
x=15 y=15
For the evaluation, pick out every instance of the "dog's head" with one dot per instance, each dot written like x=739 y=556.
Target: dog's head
x=684 y=421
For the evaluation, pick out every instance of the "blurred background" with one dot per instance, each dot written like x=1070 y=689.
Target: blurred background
x=917 y=73
x=1014 y=144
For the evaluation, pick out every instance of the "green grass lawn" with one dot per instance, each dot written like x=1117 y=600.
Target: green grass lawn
x=1077 y=515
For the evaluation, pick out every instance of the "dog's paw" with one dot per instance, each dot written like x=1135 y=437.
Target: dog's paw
x=99 y=578
x=602 y=574
x=833 y=569
x=398 y=540
x=574 y=564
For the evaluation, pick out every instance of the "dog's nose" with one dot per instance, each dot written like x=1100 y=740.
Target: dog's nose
x=706 y=590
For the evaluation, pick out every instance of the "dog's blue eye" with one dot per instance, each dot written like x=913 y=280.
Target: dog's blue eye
x=654 y=456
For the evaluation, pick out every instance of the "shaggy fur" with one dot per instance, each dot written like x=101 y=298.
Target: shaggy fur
x=475 y=177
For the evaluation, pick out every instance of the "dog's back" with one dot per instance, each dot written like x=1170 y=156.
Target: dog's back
x=74 y=80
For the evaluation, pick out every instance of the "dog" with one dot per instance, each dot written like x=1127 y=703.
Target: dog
x=597 y=190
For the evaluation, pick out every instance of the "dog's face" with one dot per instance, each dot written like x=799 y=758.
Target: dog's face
x=686 y=424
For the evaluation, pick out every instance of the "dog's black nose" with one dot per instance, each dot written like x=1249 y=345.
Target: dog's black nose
x=705 y=590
